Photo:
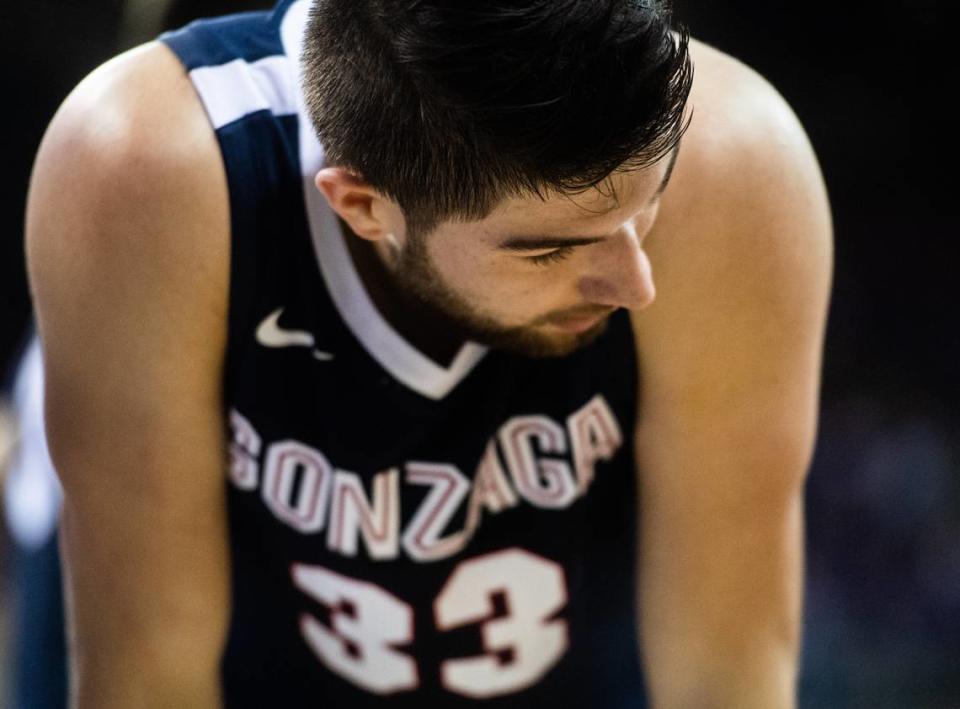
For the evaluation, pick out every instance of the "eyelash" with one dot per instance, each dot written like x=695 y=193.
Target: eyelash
x=552 y=257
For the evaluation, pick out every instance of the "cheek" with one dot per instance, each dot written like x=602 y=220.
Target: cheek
x=469 y=275
x=462 y=269
x=507 y=289
x=450 y=258
x=530 y=293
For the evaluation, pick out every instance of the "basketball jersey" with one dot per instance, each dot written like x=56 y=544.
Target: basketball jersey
x=403 y=533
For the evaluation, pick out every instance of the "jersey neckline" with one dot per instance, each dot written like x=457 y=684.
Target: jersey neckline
x=383 y=343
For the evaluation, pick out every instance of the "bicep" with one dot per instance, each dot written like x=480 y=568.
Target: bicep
x=126 y=251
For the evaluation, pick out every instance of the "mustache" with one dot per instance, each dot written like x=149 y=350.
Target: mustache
x=580 y=312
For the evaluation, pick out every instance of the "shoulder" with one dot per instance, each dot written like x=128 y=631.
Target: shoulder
x=747 y=195
x=745 y=154
x=137 y=113
x=143 y=96
x=128 y=221
x=132 y=136
x=741 y=255
x=129 y=177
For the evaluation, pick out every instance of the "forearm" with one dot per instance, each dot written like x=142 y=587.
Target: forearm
x=135 y=652
x=133 y=675
x=143 y=689
x=722 y=629
x=763 y=681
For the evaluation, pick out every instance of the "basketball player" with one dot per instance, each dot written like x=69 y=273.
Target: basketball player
x=409 y=288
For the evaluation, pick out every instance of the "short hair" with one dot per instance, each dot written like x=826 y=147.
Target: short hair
x=448 y=107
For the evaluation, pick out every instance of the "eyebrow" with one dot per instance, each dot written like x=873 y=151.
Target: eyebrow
x=669 y=173
x=541 y=242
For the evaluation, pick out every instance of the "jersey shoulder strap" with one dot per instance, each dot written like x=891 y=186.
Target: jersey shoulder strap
x=247 y=81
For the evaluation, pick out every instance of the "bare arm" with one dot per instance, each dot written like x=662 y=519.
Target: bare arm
x=127 y=243
x=730 y=359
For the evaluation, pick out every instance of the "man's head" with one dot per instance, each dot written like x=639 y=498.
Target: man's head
x=466 y=129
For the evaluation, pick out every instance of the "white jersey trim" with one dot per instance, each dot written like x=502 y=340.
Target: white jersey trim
x=397 y=356
x=236 y=89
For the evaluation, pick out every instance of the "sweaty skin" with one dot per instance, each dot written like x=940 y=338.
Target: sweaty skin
x=128 y=245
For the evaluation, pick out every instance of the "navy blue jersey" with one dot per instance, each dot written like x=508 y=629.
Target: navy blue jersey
x=403 y=534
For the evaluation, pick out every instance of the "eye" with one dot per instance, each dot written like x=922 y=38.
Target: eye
x=554 y=256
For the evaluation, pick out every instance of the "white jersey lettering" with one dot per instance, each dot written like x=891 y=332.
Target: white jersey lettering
x=594 y=436
x=542 y=481
x=304 y=509
x=449 y=487
x=546 y=465
x=244 y=452
x=352 y=515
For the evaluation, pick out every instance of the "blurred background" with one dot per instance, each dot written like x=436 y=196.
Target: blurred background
x=872 y=82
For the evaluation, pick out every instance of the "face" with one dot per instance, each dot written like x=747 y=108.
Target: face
x=539 y=277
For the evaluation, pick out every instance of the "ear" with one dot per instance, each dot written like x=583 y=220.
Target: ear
x=368 y=213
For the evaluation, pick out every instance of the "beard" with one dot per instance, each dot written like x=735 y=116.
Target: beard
x=425 y=290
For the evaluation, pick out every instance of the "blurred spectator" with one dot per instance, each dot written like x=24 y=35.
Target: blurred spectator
x=32 y=506
x=31 y=486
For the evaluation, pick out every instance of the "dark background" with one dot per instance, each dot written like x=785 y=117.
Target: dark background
x=872 y=82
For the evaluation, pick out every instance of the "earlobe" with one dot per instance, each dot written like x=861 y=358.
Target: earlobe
x=353 y=200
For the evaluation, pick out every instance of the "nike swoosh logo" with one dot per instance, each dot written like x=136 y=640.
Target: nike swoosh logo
x=270 y=334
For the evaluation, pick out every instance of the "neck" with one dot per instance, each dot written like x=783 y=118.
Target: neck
x=422 y=326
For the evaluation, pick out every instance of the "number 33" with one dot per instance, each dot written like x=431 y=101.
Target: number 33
x=367 y=622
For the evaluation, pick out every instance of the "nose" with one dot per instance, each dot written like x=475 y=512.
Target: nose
x=621 y=275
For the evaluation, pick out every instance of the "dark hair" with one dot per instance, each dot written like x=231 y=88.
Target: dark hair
x=449 y=106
